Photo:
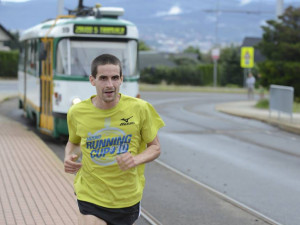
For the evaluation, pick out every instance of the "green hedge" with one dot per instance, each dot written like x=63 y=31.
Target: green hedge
x=9 y=64
x=201 y=75
x=281 y=73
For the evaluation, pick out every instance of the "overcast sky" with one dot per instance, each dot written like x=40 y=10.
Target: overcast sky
x=192 y=17
x=164 y=8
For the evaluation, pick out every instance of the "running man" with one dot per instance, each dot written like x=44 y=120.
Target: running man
x=116 y=135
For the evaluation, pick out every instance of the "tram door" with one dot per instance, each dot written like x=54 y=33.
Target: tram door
x=46 y=118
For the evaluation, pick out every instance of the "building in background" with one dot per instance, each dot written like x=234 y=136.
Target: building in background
x=4 y=36
x=153 y=59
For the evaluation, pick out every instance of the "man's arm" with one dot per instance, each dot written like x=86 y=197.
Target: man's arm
x=72 y=153
x=127 y=161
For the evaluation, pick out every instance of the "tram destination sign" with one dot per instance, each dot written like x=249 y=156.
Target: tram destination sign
x=99 y=29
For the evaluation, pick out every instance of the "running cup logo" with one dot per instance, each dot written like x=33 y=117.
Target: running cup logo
x=106 y=144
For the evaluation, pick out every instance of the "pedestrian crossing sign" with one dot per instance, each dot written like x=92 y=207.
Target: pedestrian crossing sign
x=247 y=57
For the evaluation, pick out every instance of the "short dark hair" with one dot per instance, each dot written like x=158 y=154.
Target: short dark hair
x=105 y=59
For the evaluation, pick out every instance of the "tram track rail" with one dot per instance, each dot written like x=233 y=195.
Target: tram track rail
x=222 y=196
x=149 y=218
x=229 y=134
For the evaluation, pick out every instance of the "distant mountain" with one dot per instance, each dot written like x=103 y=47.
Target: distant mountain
x=166 y=25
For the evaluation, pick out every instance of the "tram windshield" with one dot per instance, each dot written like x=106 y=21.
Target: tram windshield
x=74 y=57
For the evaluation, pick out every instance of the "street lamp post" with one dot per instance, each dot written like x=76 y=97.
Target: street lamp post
x=60 y=7
x=215 y=54
x=216 y=50
x=279 y=8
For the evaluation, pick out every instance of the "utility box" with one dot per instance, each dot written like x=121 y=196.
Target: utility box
x=281 y=99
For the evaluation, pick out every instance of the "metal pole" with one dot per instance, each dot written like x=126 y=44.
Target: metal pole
x=215 y=72
x=217 y=23
x=60 y=7
x=216 y=42
x=279 y=8
x=245 y=76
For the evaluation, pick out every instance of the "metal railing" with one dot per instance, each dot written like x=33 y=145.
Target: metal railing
x=281 y=100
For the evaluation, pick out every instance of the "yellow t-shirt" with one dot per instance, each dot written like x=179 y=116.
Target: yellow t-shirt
x=103 y=134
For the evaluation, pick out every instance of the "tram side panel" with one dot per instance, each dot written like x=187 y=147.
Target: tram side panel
x=32 y=96
x=21 y=75
x=130 y=87
x=28 y=80
x=65 y=94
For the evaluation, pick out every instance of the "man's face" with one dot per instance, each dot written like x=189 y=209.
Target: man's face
x=107 y=82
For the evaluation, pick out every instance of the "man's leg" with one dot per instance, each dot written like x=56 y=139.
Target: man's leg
x=89 y=220
x=252 y=94
x=249 y=93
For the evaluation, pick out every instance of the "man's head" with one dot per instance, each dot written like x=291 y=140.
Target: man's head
x=107 y=78
x=104 y=60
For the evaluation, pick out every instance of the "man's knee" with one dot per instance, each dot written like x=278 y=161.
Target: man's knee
x=89 y=220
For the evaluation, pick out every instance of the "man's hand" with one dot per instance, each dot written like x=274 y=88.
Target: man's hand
x=126 y=161
x=70 y=165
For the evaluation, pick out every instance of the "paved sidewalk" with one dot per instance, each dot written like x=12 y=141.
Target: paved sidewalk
x=247 y=109
x=34 y=189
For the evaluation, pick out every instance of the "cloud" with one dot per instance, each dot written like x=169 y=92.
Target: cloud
x=245 y=2
x=173 y=11
x=14 y=1
x=263 y=23
x=211 y=18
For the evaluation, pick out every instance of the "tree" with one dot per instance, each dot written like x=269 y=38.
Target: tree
x=183 y=61
x=231 y=72
x=143 y=46
x=281 y=47
x=192 y=49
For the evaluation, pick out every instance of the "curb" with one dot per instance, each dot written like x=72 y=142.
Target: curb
x=280 y=124
x=7 y=97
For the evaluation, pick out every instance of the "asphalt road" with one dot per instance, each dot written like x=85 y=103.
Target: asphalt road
x=8 y=87
x=249 y=161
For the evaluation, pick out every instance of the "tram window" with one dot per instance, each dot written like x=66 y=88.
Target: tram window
x=74 y=57
x=29 y=56
x=36 y=58
x=63 y=57
x=22 y=56
x=132 y=54
x=32 y=58
x=42 y=52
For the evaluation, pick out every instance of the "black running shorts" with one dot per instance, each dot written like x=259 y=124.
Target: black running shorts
x=121 y=216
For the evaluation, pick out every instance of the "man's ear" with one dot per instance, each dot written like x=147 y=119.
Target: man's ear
x=92 y=80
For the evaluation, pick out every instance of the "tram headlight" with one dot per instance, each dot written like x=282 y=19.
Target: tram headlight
x=75 y=101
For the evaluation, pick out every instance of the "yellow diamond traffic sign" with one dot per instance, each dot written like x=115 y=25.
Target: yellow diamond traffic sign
x=247 y=57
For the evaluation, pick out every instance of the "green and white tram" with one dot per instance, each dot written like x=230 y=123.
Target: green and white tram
x=55 y=63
